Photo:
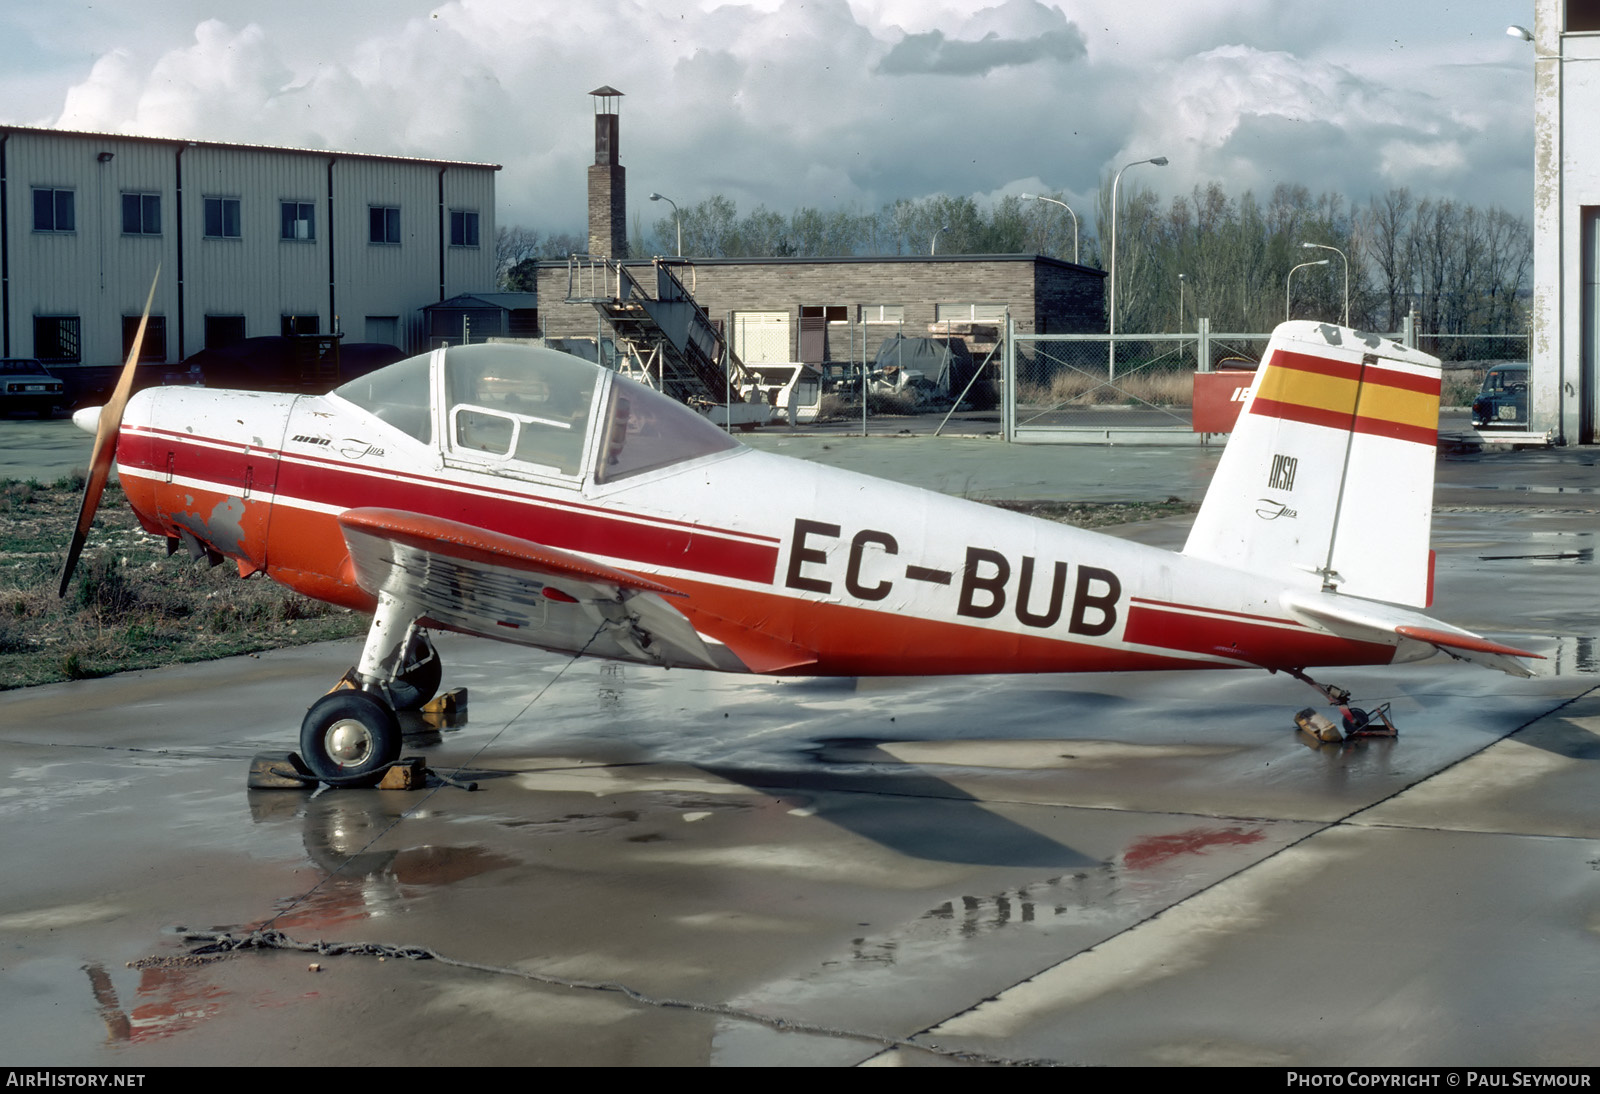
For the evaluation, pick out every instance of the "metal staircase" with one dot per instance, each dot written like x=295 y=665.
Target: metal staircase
x=671 y=341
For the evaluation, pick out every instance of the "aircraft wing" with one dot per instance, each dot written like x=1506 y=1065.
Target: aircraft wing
x=1351 y=617
x=481 y=582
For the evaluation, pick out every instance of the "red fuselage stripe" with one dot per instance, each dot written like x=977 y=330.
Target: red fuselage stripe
x=1256 y=644
x=679 y=546
x=1214 y=611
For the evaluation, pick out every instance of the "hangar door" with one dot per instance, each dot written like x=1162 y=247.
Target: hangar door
x=1589 y=358
x=762 y=337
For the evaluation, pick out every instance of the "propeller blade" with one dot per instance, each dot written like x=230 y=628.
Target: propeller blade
x=105 y=445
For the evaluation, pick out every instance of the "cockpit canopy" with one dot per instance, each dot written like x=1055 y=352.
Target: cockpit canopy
x=529 y=410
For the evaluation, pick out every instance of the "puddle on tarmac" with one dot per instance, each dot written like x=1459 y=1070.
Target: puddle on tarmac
x=1572 y=656
x=1520 y=488
x=1144 y=875
x=169 y=1001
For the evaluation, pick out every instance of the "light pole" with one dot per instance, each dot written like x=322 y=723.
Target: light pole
x=1068 y=208
x=1346 y=260
x=1303 y=265
x=675 y=216
x=1159 y=161
x=933 y=244
x=1180 y=303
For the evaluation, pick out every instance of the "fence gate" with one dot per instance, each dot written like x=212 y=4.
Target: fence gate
x=1089 y=389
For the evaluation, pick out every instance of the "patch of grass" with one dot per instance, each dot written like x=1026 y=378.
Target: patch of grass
x=1072 y=388
x=130 y=606
x=1095 y=514
x=1460 y=386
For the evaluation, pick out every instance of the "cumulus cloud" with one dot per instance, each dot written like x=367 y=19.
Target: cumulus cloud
x=935 y=54
x=818 y=102
x=1015 y=32
x=1256 y=117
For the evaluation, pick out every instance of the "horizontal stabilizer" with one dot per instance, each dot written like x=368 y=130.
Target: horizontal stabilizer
x=1349 y=617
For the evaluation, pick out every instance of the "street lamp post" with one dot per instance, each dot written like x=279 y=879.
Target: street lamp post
x=1303 y=265
x=1180 y=303
x=1159 y=161
x=1343 y=258
x=1068 y=208
x=677 y=216
x=933 y=244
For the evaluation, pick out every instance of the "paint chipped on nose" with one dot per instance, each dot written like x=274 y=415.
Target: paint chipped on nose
x=87 y=419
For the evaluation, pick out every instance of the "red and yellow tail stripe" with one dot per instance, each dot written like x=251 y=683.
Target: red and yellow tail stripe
x=1347 y=395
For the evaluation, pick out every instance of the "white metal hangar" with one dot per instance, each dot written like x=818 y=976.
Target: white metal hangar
x=251 y=240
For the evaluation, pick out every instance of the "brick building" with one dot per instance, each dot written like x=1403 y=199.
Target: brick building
x=835 y=310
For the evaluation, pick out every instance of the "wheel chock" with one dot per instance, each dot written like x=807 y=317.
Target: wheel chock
x=408 y=773
x=447 y=709
x=1310 y=722
x=280 y=771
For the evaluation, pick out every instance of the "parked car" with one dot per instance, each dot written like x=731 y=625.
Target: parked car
x=25 y=384
x=306 y=363
x=1502 y=401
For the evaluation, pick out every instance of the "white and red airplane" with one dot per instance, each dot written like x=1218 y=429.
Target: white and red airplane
x=529 y=496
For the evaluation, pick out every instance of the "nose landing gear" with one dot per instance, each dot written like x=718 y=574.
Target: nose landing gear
x=351 y=735
x=349 y=738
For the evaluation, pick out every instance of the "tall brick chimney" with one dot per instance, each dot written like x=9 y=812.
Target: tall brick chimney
x=608 y=190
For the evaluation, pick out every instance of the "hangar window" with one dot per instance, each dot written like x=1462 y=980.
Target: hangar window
x=1583 y=15
x=141 y=214
x=463 y=228
x=55 y=339
x=383 y=224
x=222 y=218
x=154 y=346
x=883 y=313
x=54 y=211
x=299 y=220
x=224 y=330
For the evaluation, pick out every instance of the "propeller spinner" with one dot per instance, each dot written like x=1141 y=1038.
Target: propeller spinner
x=105 y=445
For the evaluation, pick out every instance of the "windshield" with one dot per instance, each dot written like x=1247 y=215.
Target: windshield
x=1505 y=379
x=646 y=430
x=520 y=403
x=397 y=395
x=517 y=409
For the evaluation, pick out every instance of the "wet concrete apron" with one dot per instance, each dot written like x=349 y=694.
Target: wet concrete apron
x=1093 y=869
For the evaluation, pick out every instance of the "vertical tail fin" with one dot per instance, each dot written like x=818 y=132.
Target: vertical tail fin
x=1327 y=480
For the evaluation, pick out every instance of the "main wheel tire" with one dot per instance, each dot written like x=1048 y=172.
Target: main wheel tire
x=348 y=738
x=416 y=685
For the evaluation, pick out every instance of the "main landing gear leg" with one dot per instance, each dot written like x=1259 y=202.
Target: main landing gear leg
x=1355 y=721
x=350 y=736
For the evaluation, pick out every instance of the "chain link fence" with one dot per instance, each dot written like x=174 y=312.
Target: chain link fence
x=1089 y=388
x=1090 y=383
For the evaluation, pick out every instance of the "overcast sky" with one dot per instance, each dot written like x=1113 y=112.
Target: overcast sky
x=818 y=102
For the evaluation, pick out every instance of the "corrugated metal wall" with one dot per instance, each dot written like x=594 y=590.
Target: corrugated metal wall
x=101 y=273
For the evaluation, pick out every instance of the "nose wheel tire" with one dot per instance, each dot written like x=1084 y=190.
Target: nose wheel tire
x=419 y=682
x=348 y=738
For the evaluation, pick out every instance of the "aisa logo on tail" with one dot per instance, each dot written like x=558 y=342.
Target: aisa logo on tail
x=1282 y=474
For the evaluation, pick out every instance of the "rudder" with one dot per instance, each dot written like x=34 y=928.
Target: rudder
x=1327 y=480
